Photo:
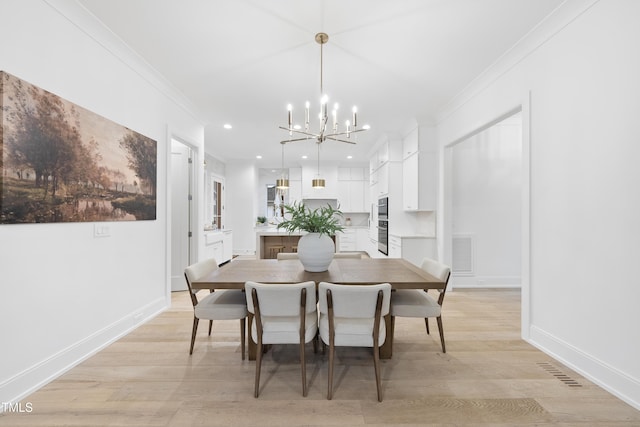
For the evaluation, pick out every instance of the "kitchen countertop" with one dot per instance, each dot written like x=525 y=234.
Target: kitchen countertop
x=412 y=236
x=273 y=231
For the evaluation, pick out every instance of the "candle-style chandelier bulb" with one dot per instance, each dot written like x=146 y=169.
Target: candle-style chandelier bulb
x=323 y=133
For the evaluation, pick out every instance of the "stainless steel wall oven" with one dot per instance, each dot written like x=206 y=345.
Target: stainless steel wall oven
x=383 y=225
x=383 y=236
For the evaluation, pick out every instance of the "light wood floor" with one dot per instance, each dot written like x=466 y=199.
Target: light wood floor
x=488 y=377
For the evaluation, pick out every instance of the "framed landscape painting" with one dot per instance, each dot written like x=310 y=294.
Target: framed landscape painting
x=62 y=163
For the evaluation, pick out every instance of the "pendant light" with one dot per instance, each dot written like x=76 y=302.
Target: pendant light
x=318 y=182
x=282 y=183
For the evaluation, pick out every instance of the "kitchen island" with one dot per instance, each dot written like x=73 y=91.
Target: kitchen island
x=270 y=241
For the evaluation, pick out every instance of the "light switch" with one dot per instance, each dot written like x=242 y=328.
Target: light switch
x=101 y=230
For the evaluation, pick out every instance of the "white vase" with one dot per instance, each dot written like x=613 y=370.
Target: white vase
x=315 y=251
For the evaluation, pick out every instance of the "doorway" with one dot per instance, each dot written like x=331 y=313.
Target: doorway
x=486 y=194
x=446 y=219
x=182 y=212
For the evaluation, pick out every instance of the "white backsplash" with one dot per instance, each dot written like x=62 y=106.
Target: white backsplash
x=358 y=219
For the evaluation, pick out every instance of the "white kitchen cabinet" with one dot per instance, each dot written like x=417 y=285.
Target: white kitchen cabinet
x=394 y=247
x=218 y=245
x=419 y=170
x=352 y=174
x=347 y=240
x=227 y=246
x=373 y=214
x=344 y=174
x=383 y=154
x=351 y=190
x=351 y=196
x=354 y=239
x=372 y=249
x=295 y=191
x=383 y=180
x=213 y=246
x=362 y=239
x=329 y=174
x=373 y=163
x=412 y=248
x=410 y=143
x=357 y=195
x=388 y=151
x=419 y=181
x=295 y=174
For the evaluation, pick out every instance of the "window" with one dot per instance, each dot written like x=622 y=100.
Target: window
x=215 y=202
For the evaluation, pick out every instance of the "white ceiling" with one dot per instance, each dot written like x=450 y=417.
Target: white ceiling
x=242 y=61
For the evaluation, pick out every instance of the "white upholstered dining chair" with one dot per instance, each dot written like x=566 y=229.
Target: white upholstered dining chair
x=217 y=305
x=418 y=303
x=283 y=314
x=352 y=316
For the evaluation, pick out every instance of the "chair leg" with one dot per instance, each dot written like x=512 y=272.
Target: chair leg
x=439 y=320
x=242 y=335
x=193 y=333
x=392 y=330
x=303 y=365
x=376 y=366
x=426 y=323
x=210 y=325
x=332 y=350
x=258 y=366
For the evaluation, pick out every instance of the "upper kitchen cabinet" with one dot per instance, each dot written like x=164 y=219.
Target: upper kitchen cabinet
x=419 y=171
x=329 y=174
x=387 y=158
x=353 y=189
x=388 y=151
x=295 y=185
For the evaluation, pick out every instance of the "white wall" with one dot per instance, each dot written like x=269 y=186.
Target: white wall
x=583 y=82
x=486 y=203
x=241 y=182
x=64 y=293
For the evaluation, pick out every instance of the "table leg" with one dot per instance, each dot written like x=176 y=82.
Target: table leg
x=386 y=350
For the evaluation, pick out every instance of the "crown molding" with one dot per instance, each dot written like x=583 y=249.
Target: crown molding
x=88 y=23
x=545 y=30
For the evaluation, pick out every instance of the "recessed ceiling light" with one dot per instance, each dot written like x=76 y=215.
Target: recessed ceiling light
x=258 y=156
x=297 y=127
x=366 y=127
x=304 y=157
x=227 y=126
x=349 y=157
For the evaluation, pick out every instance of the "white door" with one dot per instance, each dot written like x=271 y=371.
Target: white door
x=181 y=184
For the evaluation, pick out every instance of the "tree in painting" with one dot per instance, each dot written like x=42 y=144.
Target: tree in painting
x=61 y=162
x=141 y=153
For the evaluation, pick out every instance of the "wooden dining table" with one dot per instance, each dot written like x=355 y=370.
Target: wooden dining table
x=399 y=273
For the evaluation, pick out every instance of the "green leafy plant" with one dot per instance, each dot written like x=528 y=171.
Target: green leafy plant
x=323 y=220
x=262 y=219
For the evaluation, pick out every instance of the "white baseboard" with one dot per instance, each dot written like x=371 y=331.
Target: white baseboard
x=30 y=380
x=609 y=378
x=471 y=281
x=244 y=252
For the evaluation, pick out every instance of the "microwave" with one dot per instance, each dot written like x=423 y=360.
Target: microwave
x=383 y=208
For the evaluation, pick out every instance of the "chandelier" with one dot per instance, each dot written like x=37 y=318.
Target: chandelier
x=334 y=133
